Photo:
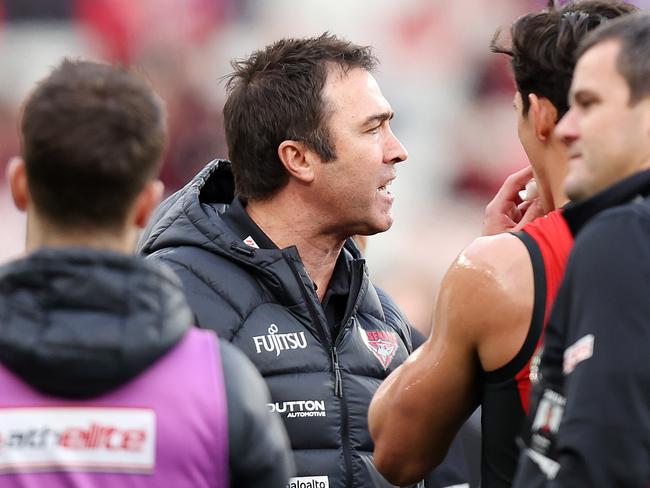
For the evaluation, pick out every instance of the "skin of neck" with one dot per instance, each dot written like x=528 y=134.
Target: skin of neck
x=288 y=218
x=550 y=167
x=42 y=233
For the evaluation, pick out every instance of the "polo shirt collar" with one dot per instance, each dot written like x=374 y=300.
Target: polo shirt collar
x=577 y=214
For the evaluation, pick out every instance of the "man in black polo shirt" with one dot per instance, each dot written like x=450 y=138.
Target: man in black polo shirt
x=590 y=419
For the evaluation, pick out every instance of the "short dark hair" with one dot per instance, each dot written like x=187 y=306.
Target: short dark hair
x=633 y=61
x=544 y=46
x=275 y=95
x=92 y=136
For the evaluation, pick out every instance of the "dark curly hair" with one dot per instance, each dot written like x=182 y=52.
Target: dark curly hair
x=275 y=95
x=544 y=45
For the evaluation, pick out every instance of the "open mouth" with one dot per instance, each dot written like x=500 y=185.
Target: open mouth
x=384 y=188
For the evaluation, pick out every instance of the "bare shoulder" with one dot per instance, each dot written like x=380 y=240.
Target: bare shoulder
x=497 y=252
x=489 y=266
x=487 y=296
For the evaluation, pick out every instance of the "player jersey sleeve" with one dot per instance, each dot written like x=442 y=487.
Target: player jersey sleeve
x=597 y=421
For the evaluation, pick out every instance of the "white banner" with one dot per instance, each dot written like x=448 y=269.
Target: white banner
x=105 y=439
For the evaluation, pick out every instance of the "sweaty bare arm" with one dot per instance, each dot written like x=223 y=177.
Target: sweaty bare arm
x=482 y=314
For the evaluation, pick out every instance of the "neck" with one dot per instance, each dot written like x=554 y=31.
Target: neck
x=288 y=220
x=550 y=174
x=42 y=234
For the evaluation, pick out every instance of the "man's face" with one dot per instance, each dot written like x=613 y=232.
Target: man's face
x=606 y=137
x=353 y=190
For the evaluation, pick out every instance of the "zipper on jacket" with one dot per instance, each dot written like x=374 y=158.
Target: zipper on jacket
x=345 y=429
x=313 y=313
x=338 y=379
x=356 y=282
x=338 y=382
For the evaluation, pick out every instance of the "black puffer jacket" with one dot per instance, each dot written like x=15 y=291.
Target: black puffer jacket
x=77 y=323
x=263 y=301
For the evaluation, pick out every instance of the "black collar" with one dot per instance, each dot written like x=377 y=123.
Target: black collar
x=579 y=213
x=340 y=281
x=240 y=222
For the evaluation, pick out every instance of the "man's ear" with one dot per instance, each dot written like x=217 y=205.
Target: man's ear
x=147 y=201
x=17 y=177
x=298 y=160
x=543 y=115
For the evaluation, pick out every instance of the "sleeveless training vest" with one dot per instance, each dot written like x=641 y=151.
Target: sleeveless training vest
x=166 y=427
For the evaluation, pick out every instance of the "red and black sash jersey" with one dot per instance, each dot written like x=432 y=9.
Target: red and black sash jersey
x=505 y=391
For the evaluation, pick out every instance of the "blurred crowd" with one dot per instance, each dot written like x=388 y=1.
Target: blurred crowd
x=452 y=99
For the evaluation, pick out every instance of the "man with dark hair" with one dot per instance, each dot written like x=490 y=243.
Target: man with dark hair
x=495 y=298
x=590 y=414
x=269 y=264
x=102 y=374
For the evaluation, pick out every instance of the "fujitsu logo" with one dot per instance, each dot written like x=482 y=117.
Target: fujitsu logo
x=274 y=342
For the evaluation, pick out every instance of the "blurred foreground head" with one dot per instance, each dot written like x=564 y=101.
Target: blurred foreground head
x=91 y=138
x=607 y=129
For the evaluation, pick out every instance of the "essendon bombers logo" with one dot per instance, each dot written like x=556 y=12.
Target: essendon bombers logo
x=383 y=344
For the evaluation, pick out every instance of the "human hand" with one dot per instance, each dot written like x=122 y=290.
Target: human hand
x=507 y=211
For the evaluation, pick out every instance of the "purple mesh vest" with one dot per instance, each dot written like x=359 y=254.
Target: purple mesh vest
x=167 y=427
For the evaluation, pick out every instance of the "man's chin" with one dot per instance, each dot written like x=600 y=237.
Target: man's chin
x=381 y=227
x=375 y=228
x=575 y=190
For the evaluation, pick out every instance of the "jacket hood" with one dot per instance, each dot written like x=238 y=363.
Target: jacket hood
x=78 y=323
x=187 y=218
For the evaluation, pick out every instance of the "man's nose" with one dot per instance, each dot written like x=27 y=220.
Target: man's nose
x=567 y=128
x=395 y=151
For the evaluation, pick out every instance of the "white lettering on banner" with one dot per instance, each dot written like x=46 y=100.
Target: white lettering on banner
x=277 y=343
x=299 y=408
x=96 y=439
x=309 y=482
x=578 y=352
